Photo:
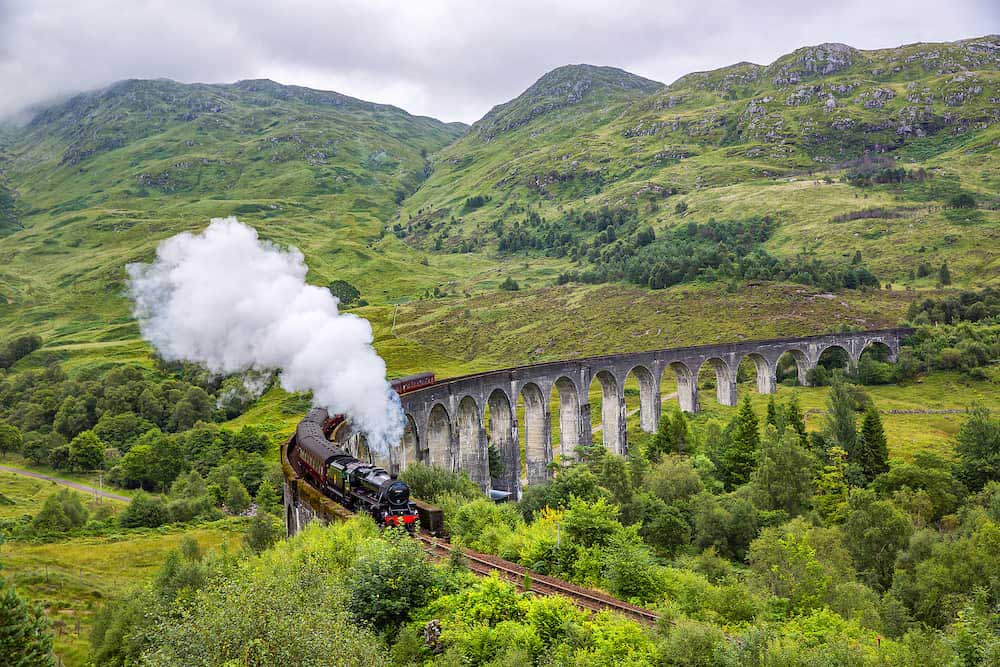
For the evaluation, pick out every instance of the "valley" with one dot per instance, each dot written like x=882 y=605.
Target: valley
x=598 y=212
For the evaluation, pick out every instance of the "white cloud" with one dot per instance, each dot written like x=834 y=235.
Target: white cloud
x=452 y=60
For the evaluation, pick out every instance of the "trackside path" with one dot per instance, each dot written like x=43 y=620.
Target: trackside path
x=65 y=482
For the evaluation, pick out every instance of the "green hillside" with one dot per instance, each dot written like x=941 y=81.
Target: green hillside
x=591 y=175
x=804 y=141
x=100 y=179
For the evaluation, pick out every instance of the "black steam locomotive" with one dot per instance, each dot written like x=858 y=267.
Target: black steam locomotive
x=356 y=485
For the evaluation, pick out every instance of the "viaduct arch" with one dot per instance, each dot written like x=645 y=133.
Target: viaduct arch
x=448 y=424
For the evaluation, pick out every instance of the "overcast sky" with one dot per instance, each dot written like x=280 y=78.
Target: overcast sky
x=451 y=60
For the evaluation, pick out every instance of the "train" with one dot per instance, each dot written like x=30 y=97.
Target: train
x=356 y=485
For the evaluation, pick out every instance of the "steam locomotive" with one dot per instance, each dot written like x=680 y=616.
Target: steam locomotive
x=354 y=484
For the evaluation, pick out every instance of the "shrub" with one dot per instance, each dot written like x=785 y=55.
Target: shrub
x=962 y=200
x=510 y=285
x=144 y=511
x=62 y=511
x=390 y=580
x=429 y=483
x=264 y=531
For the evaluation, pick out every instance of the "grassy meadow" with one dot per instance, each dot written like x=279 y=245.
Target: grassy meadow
x=72 y=577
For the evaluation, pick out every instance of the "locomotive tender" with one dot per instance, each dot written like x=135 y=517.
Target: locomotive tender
x=354 y=484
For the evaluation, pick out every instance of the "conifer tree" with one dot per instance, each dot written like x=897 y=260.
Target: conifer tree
x=794 y=419
x=841 y=426
x=774 y=416
x=25 y=637
x=831 y=488
x=663 y=440
x=679 y=431
x=745 y=441
x=873 y=451
x=944 y=275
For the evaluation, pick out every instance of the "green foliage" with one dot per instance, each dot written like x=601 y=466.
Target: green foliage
x=390 y=581
x=962 y=200
x=10 y=439
x=572 y=482
x=672 y=435
x=964 y=306
x=674 y=480
x=831 y=487
x=873 y=448
x=264 y=531
x=787 y=564
x=86 y=452
x=629 y=568
x=927 y=473
x=841 y=424
x=944 y=275
x=225 y=625
x=874 y=531
x=18 y=349
x=25 y=631
x=345 y=292
x=794 y=419
x=783 y=479
x=938 y=575
x=121 y=430
x=61 y=512
x=509 y=284
x=236 y=498
x=144 y=511
x=591 y=523
x=74 y=416
x=978 y=448
x=713 y=251
x=480 y=523
x=738 y=459
x=267 y=499
x=430 y=483
x=728 y=523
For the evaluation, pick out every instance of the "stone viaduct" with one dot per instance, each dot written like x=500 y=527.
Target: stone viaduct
x=452 y=423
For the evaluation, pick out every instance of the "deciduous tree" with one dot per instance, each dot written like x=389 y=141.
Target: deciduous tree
x=86 y=452
x=978 y=446
x=10 y=438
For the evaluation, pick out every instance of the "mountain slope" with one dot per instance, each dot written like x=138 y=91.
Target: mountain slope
x=747 y=140
x=100 y=178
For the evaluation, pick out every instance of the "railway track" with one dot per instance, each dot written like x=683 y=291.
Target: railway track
x=587 y=599
x=485 y=564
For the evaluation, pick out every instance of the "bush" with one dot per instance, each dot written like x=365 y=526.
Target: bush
x=144 y=511
x=264 y=531
x=510 y=285
x=237 y=499
x=572 y=482
x=391 y=579
x=18 y=349
x=429 y=483
x=962 y=200
x=62 y=511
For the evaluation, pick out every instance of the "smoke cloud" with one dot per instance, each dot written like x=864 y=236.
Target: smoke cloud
x=234 y=303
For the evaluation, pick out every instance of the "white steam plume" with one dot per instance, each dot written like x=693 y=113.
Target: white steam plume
x=228 y=300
